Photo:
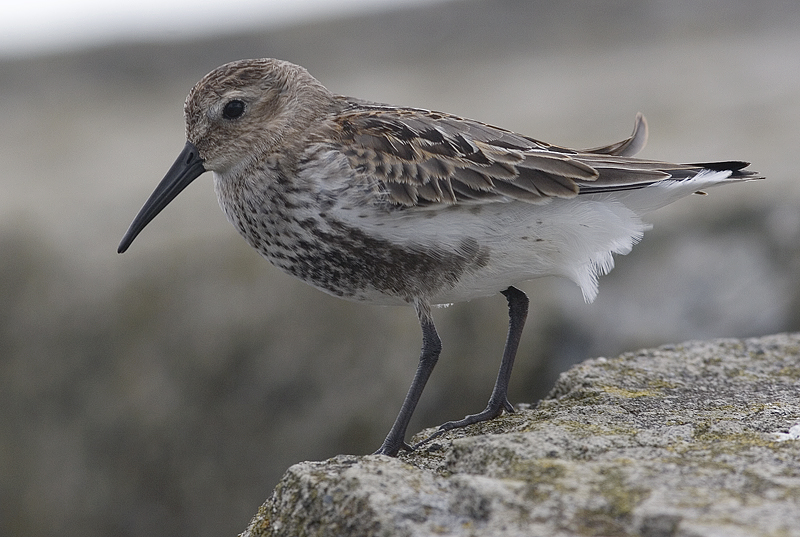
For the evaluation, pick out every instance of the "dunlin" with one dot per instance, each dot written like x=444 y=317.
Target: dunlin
x=392 y=205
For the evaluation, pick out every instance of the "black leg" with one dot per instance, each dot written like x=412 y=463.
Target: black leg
x=431 y=347
x=498 y=401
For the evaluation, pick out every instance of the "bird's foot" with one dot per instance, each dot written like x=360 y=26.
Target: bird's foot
x=392 y=448
x=492 y=410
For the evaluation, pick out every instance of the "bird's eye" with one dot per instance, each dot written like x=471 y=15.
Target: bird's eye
x=233 y=109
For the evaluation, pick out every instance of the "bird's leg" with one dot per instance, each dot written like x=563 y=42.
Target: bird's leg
x=431 y=347
x=498 y=401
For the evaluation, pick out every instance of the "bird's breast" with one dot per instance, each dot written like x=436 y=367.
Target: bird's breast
x=301 y=232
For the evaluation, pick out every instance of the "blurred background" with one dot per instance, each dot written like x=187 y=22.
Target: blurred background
x=165 y=391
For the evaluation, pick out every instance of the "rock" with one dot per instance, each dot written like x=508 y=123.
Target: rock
x=684 y=440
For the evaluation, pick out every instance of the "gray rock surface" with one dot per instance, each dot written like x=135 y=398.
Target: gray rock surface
x=688 y=440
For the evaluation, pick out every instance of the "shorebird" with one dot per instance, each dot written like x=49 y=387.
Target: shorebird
x=394 y=205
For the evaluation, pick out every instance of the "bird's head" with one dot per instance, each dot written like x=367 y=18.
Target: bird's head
x=235 y=115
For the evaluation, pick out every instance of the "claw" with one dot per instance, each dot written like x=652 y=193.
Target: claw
x=490 y=412
x=392 y=451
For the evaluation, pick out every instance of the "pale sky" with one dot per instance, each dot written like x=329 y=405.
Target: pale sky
x=32 y=26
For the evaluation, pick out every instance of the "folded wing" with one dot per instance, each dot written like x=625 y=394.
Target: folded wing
x=421 y=158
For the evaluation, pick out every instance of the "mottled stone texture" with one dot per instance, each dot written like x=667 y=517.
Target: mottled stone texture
x=679 y=440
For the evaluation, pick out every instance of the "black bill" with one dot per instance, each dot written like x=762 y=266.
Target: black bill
x=187 y=167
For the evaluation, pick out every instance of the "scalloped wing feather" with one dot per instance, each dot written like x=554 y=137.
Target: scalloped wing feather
x=423 y=158
x=420 y=158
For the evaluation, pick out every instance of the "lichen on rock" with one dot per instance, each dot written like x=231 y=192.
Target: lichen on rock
x=679 y=440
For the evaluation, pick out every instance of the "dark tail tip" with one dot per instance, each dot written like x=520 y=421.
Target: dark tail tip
x=725 y=165
x=735 y=166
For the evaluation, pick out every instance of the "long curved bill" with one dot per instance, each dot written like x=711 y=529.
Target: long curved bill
x=187 y=167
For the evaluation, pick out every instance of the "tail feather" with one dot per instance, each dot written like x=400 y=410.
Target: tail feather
x=617 y=178
x=737 y=167
x=629 y=146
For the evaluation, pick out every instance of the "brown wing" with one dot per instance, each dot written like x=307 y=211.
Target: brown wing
x=423 y=158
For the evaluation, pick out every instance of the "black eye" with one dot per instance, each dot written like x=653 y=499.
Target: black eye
x=233 y=109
